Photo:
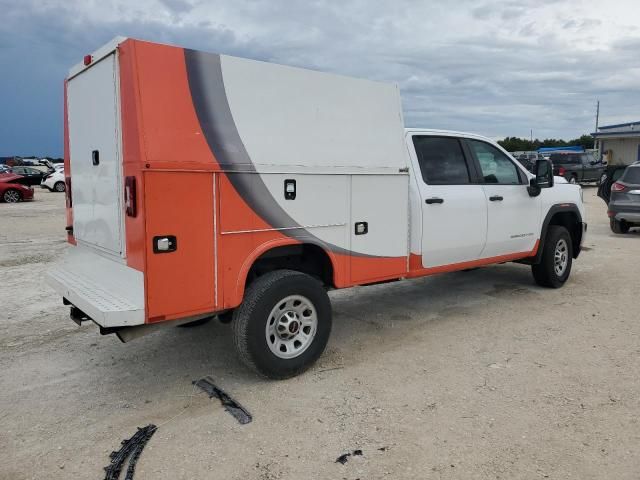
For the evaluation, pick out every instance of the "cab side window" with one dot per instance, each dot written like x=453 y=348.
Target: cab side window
x=441 y=160
x=495 y=165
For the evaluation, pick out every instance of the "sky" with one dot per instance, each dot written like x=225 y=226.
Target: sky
x=497 y=68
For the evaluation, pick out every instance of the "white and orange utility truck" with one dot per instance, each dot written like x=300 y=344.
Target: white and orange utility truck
x=202 y=184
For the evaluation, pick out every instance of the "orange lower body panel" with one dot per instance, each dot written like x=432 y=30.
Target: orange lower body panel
x=179 y=283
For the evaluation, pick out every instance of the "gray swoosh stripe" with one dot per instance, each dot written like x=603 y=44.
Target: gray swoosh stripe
x=214 y=114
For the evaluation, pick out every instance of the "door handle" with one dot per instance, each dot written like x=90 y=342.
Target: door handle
x=434 y=200
x=496 y=198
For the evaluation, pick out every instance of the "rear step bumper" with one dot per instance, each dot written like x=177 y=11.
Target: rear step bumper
x=108 y=292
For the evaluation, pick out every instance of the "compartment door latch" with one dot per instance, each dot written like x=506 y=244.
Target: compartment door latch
x=165 y=244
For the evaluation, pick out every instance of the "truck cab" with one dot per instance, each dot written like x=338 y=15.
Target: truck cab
x=577 y=167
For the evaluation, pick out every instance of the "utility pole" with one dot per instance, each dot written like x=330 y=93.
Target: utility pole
x=597 y=114
x=531 y=137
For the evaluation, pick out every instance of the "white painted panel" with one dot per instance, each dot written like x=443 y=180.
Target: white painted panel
x=381 y=201
x=94 y=125
x=289 y=116
x=321 y=206
x=513 y=223
x=109 y=292
x=453 y=231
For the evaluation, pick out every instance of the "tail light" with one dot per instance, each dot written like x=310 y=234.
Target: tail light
x=561 y=171
x=618 y=187
x=67 y=181
x=130 y=196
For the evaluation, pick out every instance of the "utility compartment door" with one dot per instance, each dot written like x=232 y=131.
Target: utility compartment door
x=96 y=165
x=379 y=227
x=182 y=281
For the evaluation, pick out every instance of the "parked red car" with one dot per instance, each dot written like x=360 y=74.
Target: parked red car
x=11 y=191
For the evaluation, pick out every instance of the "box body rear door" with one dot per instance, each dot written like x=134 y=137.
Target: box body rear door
x=95 y=157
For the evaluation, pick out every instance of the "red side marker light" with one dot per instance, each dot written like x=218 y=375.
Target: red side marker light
x=130 y=196
x=88 y=59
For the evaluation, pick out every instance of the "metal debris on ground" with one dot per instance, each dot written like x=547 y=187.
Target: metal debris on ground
x=230 y=405
x=131 y=448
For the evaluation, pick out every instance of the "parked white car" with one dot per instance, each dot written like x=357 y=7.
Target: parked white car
x=54 y=181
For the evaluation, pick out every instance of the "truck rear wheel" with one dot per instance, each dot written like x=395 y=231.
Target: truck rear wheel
x=283 y=325
x=557 y=257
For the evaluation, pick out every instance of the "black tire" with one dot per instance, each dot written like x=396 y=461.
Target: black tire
x=196 y=323
x=59 y=187
x=225 y=317
x=11 y=196
x=618 y=226
x=251 y=318
x=545 y=273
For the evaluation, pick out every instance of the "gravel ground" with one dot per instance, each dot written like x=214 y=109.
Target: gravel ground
x=467 y=375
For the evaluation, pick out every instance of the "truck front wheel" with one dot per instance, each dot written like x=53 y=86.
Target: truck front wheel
x=557 y=257
x=283 y=324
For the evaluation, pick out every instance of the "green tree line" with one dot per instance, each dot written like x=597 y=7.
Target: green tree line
x=515 y=144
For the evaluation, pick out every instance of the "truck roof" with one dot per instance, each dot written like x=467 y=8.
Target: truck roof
x=452 y=133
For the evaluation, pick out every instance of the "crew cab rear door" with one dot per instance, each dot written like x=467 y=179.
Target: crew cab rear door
x=454 y=208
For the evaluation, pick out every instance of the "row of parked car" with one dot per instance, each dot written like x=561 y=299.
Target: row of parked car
x=575 y=167
x=620 y=188
x=17 y=182
x=618 y=185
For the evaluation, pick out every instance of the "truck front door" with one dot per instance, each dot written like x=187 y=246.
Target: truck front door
x=513 y=215
x=454 y=208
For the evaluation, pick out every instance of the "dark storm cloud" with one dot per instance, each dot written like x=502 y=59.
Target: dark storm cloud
x=496 y=68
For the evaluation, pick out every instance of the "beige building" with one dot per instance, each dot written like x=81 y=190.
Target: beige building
x=619 y=144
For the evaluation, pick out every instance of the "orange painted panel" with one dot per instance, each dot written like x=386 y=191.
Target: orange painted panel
x=132 y=152
x=415 y=262
x=180 y=282
x=171 y=128
x=67 y=165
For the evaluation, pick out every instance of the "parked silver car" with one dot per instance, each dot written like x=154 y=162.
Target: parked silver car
x=624 y=204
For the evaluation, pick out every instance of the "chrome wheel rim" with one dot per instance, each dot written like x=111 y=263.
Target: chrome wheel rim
x=561 y=257
x=11 y=196
x=291 y=326
x=573 y=180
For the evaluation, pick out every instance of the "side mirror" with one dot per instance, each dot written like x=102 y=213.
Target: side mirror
x=543 y=171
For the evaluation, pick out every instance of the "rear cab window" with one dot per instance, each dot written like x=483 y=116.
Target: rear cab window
x=565 y=158
x=631 y=175
x=441 y=160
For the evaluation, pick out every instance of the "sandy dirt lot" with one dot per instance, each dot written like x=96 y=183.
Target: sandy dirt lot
x=467 y=375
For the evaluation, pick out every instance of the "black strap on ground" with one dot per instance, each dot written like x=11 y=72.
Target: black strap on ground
x=131 y=448
x=230 y=405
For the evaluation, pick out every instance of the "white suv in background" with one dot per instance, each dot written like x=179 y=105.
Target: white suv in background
x=54 y=181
